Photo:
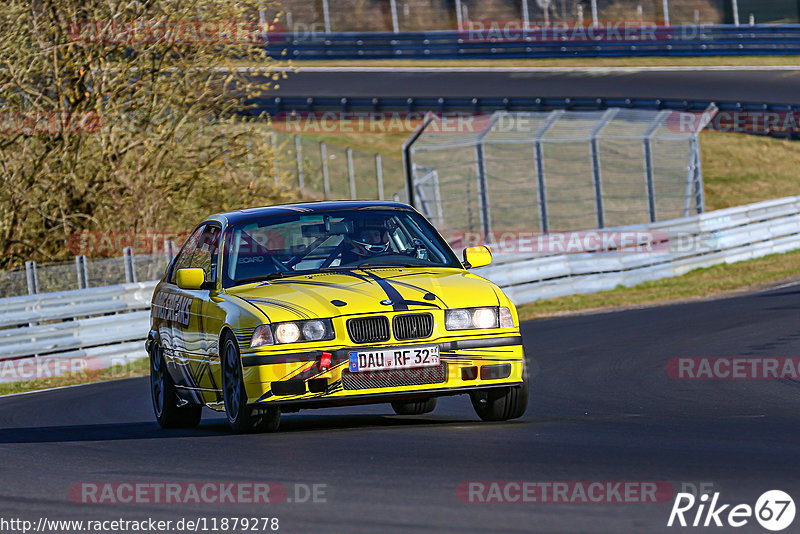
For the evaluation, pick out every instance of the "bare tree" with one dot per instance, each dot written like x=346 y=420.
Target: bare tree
x=121 y=115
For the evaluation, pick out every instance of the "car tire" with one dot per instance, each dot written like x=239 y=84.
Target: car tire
x=501 y=404
x=166 y=405
x=242 y=418
x=414 y=407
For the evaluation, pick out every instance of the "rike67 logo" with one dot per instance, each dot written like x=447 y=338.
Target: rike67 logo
x=774 y=510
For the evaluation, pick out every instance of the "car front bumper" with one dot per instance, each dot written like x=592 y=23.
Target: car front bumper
x=297 y=379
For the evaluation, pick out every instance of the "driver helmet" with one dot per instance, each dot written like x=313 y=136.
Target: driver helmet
x=371 y=238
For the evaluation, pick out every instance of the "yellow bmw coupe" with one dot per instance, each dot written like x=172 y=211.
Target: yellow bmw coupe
x=315 y=305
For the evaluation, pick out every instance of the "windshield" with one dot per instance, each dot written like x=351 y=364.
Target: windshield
x=277 y=246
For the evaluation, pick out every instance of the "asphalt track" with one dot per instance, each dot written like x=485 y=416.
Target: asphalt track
x=756 y=85
x=602 y=408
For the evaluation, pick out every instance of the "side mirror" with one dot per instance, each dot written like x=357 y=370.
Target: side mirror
x=476 y=257
x=190 y=278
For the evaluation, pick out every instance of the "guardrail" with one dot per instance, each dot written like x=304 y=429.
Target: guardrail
x=722 y=236
x=54 y=333
x=100 y=327
x=509 y=41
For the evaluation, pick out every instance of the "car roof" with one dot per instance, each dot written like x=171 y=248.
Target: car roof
x=233 y=217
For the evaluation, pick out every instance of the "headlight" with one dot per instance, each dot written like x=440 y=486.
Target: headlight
x=314 y=330
x=287 y=333
x=457 y=319
x=262 y=336
x=470 y=318
x=301 y=331
x=485 y=318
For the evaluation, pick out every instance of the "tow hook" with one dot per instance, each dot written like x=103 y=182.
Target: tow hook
x=325 y=361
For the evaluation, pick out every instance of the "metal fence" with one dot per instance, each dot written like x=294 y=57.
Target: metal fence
x=307 y=18
x=83 y=273
x=557 y=171
x=325 y=171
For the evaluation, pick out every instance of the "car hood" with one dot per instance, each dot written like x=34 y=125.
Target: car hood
x=368 y=291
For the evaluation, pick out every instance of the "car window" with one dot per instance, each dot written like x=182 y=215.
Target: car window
x=184 y=259
x=336 y=239
x=206 y=252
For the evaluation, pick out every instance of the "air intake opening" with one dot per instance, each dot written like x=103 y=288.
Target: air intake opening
x=368 y=329
x=413 y=326
x=493 y=372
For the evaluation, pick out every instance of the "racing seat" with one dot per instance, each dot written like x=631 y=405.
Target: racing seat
x=257 y=261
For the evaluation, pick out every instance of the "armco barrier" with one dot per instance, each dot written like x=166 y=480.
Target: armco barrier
x=108 y=325
x=75 y=303
x=276 y=105
x=511 y=43
x=92 y=328
x=723 y=236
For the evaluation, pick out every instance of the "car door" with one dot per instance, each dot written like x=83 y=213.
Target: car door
x=197 y=329
x=166 y=305
x=171 y=307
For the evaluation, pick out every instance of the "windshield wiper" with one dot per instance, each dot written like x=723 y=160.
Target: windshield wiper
x=328 y=270
x=270 y=276
x=370 y=264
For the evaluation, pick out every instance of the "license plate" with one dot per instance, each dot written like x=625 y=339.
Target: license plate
x=395 y=358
